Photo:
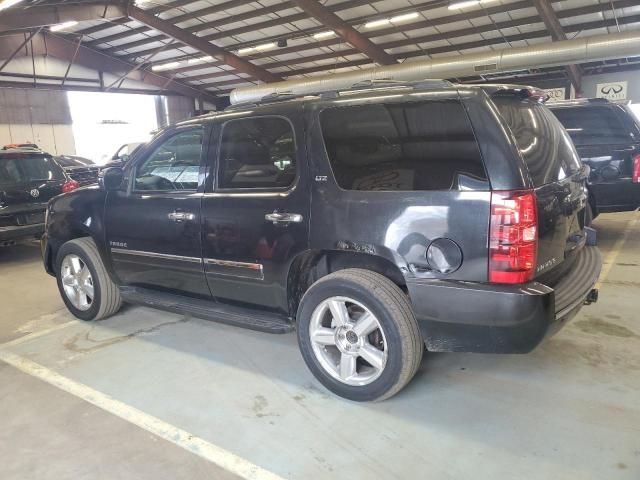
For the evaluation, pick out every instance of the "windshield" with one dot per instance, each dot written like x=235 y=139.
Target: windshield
x=596 y=125
x=543 y=143
x=21 y=168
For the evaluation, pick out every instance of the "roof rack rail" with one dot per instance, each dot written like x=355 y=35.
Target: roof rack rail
x=358 y=87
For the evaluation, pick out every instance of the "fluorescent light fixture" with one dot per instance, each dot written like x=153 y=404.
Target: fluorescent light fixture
x=397 y=19
x=265 y=46
x=165 y=66
x=62 y=26
x=404 y=17
x=377 y=23
x=8 y=3
x=456 y=5
x=321 y=35
x=191 y=61
x=258 y=48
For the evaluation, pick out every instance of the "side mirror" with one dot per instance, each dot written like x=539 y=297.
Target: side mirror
x=111 y=178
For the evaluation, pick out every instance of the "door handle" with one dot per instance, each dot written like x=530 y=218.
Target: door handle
x=181 y=216
x=283 y=217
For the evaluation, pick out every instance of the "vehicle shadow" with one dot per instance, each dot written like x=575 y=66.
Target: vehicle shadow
x=21 y=253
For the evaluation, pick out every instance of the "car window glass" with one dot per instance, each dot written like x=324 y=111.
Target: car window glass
x=544 y=145
x=174 y=165
x=403 y=146
x=20 y=168
x=595 y=125
x=257 y=153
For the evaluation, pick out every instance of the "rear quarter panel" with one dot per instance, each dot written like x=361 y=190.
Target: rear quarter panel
x=400 y=225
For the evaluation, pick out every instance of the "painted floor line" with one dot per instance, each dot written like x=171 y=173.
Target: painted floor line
x=39 y=333
x=610 y=259
x=196 y=445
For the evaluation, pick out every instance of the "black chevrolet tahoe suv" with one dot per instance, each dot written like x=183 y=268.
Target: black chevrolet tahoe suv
x=373 y=221
x=607 y=138
x=28 y=179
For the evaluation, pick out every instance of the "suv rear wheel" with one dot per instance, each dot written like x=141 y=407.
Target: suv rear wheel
x=84 y=284
x=358 y=335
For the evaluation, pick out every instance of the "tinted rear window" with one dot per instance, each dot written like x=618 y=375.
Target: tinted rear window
x=543 y=143
x=23 y=169
x=403 y=146
x=596 y=125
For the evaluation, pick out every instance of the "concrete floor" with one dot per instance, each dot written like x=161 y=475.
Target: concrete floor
x=569 y=410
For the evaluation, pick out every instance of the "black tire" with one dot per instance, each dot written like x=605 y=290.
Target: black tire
x=106 y=300
x=391 y=307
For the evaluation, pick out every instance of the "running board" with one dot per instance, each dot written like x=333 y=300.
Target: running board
x=209 y=310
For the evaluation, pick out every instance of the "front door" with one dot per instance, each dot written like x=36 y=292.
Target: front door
x=153 y=226
x=256 y=219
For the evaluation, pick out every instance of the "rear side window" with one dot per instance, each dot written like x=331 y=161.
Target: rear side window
x=596 y=125
x=23 y=169
x=257 y=153
x=543 y=143
x=403 y=146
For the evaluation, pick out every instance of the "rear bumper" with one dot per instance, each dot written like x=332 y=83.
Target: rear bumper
x=17 y=233
x=478 y=317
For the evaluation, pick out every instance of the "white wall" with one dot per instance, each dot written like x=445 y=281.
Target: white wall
x=36 y=116
x=590 y=82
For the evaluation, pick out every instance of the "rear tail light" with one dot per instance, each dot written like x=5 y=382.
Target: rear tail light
x=70 y=185
x=513 y=236
x=635 y=175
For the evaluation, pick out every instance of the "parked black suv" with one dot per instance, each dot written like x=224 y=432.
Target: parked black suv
x=607 y=137
x=372 y=221
x=28 y=179
x=80 y=169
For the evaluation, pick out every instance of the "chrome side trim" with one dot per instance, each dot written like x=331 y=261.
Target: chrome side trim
x=257 y=268
x=164 y=256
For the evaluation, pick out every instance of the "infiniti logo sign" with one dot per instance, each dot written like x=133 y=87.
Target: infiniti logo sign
x=608 y=89
x=612 y=90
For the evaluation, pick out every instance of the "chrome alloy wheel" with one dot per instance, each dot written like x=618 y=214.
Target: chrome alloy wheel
x=348 y=341
x=77 y=282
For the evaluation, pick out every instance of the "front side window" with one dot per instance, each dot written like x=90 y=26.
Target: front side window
x=257 y=153
x=174 y=165
x=403 y=146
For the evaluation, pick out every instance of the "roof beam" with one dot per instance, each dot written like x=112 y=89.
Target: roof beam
x=25 y=18
x=496 y=41
x=345 y=31
x=188 y=16
x=64 y=49
x=239 y=64
x=449 y=35
x=124 y=19
x=336 y=41
x=272 y=22
x=550 y=19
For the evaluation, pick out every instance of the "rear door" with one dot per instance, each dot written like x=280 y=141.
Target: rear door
x=27 y=183
x=558 y=177
x=256 y=219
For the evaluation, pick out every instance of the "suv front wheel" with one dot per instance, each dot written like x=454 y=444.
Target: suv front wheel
x=84 y=284
x=358 y=335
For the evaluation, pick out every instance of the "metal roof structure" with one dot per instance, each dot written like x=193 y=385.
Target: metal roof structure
x=205 y=48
